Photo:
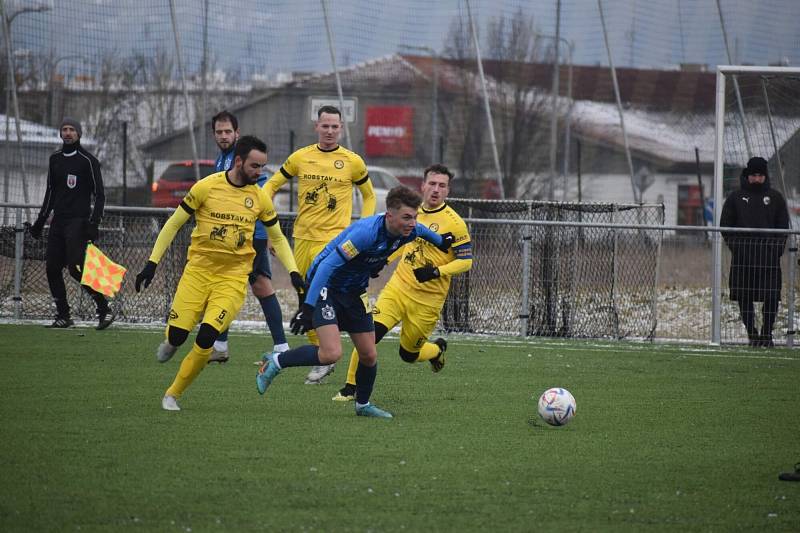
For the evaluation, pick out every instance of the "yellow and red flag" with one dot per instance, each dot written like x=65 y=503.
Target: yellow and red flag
x=101 y=273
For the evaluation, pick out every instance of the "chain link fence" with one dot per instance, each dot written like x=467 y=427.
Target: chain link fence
x=578 y=273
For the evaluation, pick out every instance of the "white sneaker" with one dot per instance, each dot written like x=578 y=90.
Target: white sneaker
x=165 y=352
x=169 y=403
x=218 y=356
x=318 y=373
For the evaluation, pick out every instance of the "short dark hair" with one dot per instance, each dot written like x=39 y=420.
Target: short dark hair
x=331 y=110
x=402 y=195
x=438 y=168
x=248 y=143
x=226 y=116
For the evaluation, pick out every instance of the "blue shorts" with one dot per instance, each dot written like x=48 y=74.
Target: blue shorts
x=345 y=309
x=261 y=265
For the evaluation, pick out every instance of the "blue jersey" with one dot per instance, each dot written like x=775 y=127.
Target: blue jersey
x=361 y=250
x=225 y=160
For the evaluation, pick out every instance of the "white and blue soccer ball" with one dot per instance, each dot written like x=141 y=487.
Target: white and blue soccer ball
x=557 y=406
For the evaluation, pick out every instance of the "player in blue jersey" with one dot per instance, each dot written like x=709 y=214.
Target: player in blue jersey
x=335 y=299
x=226 y=133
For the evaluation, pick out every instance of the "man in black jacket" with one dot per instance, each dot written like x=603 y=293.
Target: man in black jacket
x=755 y=274
x=73 y=179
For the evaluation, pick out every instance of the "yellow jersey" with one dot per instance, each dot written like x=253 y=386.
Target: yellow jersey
x=325 y=182
x=421 y=253
x=225 y=216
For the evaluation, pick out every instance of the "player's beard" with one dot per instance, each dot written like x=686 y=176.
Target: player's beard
x=250 y=180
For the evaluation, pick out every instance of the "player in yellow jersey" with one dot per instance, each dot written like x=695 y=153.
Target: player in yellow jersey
x=418 y=288
x=326 y=175
x=226 y=206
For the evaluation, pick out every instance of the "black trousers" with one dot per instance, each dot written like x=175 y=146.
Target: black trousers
x=66 y=247
x=769 y=311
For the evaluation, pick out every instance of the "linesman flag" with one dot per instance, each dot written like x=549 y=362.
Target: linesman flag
x=101 y=273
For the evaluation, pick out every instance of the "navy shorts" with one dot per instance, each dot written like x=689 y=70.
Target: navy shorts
x=261 y=265
x=344 y=309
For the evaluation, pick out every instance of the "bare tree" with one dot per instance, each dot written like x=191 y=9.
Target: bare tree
x=519 y=105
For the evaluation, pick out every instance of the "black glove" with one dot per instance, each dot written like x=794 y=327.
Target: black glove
x=145 y=276
x=447 y=241
x=426 y=273
x=301 y=321
x=36 y=229
x=92 y=231
x=300 y=287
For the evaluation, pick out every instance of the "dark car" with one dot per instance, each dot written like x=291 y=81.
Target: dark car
x=176 y=180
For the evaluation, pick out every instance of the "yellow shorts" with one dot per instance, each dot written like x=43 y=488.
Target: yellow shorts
x=418 y=319
x=217 y=299
x=305 y=252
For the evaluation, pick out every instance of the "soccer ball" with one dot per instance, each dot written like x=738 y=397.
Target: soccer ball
x=556 y=406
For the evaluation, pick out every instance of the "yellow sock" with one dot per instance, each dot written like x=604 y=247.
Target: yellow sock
x=191 y=366
x=352 y=367
x=312 y=337
x=429 y=351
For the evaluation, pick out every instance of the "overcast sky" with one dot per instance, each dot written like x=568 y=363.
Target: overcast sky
x=265 y=37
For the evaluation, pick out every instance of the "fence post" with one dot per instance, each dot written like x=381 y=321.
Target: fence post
x=18 y=254
x=524 y=310
x=790 y=330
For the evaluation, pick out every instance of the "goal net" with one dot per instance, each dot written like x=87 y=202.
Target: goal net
x=558 y=280
x=758 y=115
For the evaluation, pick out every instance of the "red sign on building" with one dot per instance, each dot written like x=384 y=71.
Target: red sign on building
x=389 y=131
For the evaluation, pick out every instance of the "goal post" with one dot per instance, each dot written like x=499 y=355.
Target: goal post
x=757 y=113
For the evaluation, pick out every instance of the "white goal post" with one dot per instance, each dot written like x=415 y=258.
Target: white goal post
x=724 y=72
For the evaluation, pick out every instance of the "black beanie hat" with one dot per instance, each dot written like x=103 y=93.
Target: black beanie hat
x=69 y=121
x=757 y=165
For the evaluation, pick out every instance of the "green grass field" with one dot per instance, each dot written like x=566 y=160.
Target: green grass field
x=666 y=438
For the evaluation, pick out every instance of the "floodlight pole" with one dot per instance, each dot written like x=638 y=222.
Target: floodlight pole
x=185 y=90
x=637 y=197
x=336 y=73
x=486 y=106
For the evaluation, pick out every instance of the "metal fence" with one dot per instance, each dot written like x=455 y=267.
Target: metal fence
x=529 y=278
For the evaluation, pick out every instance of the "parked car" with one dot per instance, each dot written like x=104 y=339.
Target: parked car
x=382 y=182
x=176 y=180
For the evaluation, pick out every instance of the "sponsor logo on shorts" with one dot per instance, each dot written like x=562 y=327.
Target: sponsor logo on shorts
x=328 y=313
x=248 y=202
x=72 y=180
x=349 y=249
x=338 y=163
x=172 y=314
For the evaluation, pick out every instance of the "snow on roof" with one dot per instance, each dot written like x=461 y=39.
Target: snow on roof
x=35 y=133
x=673 y=136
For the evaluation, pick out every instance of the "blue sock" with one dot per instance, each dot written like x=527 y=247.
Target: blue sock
x=365 y=380
x=272 y=312
x=303 y=356
x=223 y=336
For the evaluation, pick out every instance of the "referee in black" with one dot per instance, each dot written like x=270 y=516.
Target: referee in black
x=73 y=179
